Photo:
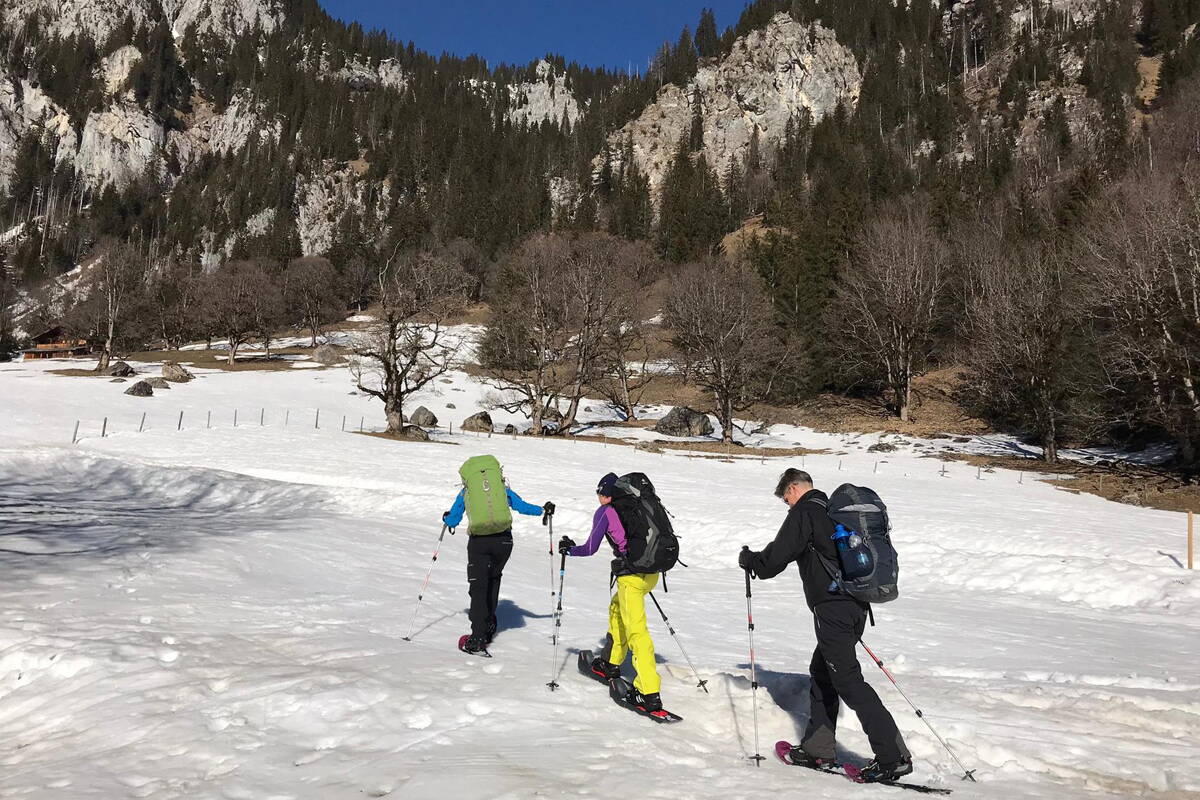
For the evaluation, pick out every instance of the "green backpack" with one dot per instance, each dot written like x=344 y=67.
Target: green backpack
x=485 y=496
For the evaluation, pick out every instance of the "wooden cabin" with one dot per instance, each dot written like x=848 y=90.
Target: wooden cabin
x=56 y=343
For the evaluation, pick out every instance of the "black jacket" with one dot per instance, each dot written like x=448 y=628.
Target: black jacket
x=807 y=526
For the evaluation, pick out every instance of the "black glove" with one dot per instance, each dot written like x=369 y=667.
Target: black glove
x=564 y=545
x=548 y=509
x=445 y=515
x=746 y=560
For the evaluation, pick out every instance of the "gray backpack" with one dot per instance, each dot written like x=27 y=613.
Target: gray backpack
x=861 y=511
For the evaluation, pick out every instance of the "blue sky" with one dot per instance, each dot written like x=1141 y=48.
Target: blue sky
x=615 y=33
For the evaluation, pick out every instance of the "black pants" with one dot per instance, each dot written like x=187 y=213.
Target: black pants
x=486 y=557
x=836 y=677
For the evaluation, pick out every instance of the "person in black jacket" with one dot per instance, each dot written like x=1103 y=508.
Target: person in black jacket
x=839 y=620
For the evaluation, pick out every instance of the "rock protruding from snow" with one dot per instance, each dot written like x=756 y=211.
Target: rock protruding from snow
x=140 y=389
x=424 y=417
x=119 y=144
x=328 y=355
x=176 y=373
x=545 y=99
x=783 y=71
x=480 y=423
x=120 y=370
x=414 y=434
x=683 y=421
x=158 y=383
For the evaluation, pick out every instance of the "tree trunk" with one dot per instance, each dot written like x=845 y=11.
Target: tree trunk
x=1050 y=443
x=904 y=400
x=232 y=352
x=395 y=420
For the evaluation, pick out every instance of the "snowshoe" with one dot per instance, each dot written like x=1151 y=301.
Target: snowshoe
x=597 y=668
x=474 y=646
x=647 y=705
x=875 y=772
x=795 y=756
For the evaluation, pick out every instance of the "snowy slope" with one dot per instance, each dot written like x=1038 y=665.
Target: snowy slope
x=218 y=612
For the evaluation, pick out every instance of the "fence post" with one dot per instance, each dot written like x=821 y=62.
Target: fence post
x=262 y=417
x=142 y=424
x=317 y=421
x=978 y=473
x=343 y=423
x=208 y=423
x=235 y=418
x=876 y=468
x=75 y=435
x=179 y=427
x=361 y=420
x=1191 y=538
x=104 y=428
x=287 y=415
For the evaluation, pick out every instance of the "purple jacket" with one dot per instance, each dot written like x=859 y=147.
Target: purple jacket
x=604 y=522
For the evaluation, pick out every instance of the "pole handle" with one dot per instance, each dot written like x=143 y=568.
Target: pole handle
x=746 y=549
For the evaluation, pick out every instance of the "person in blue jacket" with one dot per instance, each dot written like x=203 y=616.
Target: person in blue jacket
x=486 y=557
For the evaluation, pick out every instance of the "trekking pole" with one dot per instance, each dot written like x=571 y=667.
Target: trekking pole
x=968 y=774
x=562 y=571
x=421 y=594
x=700 y=683
x=548 y=519
x=757 y=757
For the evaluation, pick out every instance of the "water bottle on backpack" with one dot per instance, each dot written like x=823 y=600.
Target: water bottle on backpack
x=853 y=554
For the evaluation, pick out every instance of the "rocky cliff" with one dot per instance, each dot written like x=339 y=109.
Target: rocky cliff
x=769 y=77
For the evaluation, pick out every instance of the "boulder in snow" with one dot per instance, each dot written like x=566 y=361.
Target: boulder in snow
x=481 y=422
x=120 y=370
x=424 y=417
x=683 y=421
x=328 y=355
x=140 y=389
x=158 y=383
x=176 y=373
x=414 y=434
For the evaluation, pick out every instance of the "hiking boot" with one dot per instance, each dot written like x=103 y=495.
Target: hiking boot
x=491 y=632
x=645 y=702
x=875 y=772
x=474 y=644
x=802 y=758
x=604 y=670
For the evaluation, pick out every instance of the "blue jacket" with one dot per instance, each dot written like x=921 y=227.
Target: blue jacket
x=514 y=502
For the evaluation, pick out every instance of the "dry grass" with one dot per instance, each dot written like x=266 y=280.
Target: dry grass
x=934 y=411
x=1120 y=482
x=393 y=437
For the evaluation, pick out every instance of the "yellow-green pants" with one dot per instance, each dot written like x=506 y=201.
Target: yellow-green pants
x=627 y=626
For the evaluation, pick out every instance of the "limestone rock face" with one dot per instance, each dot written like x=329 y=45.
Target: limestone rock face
x=119 y=144
x=771 y=75
x=545 y=99
x=26 y=110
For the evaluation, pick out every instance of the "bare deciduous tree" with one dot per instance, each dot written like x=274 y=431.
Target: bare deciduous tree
x=1027 y=343
x=888 y=300
x=116 y=279
x=1144 y=249
x=409 y=344
x=526 y=351
x=311 y=292
x=232 y=303
x=721 y=319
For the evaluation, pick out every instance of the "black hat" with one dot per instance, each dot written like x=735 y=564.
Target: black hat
x=607 y=485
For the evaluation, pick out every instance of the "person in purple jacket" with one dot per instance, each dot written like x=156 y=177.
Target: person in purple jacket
x=627 y=629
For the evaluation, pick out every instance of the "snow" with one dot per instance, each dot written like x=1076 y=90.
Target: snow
x=218 y=612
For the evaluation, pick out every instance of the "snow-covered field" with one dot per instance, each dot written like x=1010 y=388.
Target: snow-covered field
x=217 y=612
